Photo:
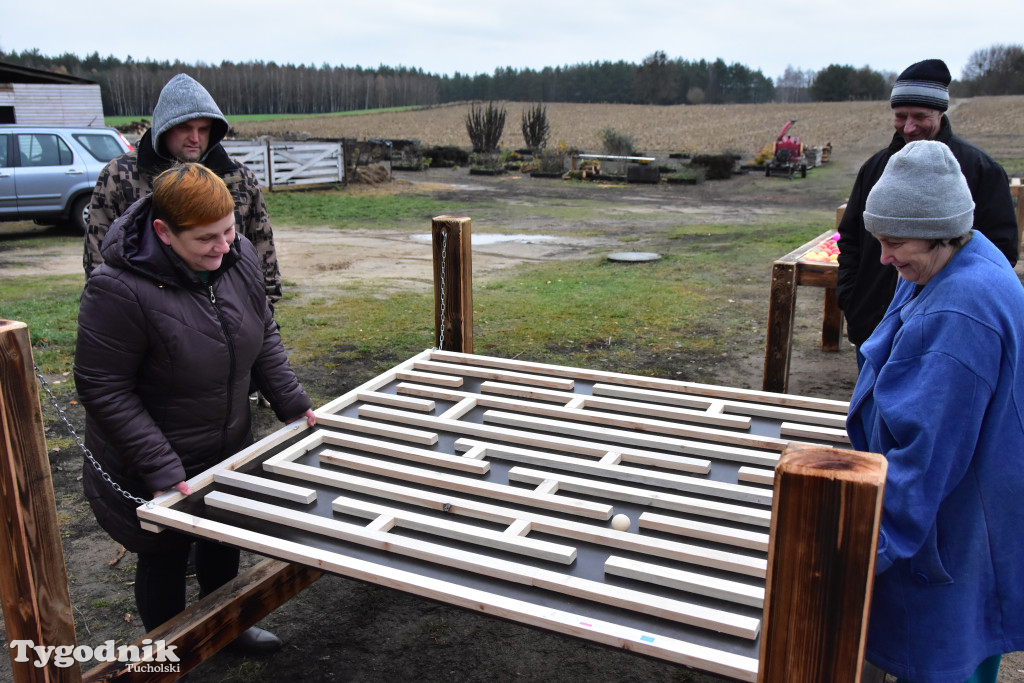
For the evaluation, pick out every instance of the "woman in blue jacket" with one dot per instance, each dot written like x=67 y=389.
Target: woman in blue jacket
x=941 y=395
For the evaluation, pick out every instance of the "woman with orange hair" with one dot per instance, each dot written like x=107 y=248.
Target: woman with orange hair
x=170 y=329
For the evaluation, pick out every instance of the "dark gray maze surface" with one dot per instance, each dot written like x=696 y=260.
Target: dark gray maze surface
x=495 y=485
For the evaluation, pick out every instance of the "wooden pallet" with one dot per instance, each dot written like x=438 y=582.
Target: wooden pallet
x=490 y=484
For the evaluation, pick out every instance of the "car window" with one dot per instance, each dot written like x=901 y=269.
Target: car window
x=43 y=149
x=3 y=151
x=102 y=147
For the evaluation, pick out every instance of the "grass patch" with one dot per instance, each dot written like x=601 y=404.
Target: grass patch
x=247 y=671
x=29 y=235
x=763 y=241
x=242 y=118
x=342 y=209
x=572 y=211
x=1014 y=166
x=573 y=313
x=49 y=306
x=640 y=318
x=332 y=332
x=580 y=312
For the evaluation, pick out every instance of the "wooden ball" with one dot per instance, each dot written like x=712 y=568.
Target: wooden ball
x=620 y=522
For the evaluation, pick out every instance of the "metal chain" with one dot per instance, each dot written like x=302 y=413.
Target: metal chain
x=444 y=265
x=81 y=445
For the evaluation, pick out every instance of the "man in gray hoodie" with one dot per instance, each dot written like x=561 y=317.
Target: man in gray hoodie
x=187 y=127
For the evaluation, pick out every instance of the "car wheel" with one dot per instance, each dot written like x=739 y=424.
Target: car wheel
x=79 y=214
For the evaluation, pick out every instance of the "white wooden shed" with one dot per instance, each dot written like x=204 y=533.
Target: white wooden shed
x=37 y=97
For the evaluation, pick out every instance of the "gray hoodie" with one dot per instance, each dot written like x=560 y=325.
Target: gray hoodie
x=184 y=99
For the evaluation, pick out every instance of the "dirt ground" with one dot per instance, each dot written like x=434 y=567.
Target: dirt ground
x=343 y=630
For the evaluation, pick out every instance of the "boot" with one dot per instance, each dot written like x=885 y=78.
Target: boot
x=256 y=641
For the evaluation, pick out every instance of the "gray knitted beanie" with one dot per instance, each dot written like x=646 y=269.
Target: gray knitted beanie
x=922 y=194
x=184 y=99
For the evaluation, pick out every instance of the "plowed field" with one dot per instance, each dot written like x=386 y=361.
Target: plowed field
x=743 y=128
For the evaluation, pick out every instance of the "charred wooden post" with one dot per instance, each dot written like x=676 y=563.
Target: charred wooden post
x=821 y=562
x=33 y=577
x=453 y=284
x=208 y=625
x=270 y=167
x=781 y=315
x=831 y=322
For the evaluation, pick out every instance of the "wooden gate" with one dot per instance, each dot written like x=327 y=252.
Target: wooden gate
x=284 y=163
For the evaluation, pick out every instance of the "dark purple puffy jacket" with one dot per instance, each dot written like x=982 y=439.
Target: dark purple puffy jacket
x=163 y=365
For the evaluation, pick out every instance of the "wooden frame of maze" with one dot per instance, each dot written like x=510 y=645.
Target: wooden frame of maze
x=489 y=484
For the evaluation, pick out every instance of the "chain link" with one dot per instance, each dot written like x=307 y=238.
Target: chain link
x=444 y=265
x=81 y=444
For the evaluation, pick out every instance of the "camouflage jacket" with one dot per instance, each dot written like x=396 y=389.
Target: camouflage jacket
x=129 y=177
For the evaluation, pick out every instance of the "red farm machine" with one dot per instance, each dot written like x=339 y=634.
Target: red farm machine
x=787 y=155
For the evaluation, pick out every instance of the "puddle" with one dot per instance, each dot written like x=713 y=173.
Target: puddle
x=471 y=188
x=485 y=239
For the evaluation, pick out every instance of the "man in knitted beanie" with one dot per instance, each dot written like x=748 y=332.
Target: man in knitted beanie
x=919 y=100
x=188 y=126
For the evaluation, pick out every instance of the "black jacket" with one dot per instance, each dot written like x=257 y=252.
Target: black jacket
x=163 y=364
x=865 y=285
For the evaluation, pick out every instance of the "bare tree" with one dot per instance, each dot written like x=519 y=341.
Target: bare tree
x=995 y=70
x=793 y=84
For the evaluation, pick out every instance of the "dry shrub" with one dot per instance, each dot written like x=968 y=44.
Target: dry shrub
x=371 y=175
x=716 y=166
x=485 y=127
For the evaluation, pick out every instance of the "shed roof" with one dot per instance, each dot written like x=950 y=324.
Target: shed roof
x=13 y=73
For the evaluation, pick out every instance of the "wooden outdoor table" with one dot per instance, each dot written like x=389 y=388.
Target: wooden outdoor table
x=791 y=271
x=788 y=273
x=1016 y=190
x=491 y=483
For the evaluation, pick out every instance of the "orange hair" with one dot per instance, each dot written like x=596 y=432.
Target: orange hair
x=188 y=195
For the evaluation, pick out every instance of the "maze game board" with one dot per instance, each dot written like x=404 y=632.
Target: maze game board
x=491 y=484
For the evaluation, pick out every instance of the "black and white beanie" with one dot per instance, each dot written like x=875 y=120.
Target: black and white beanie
x=922 y=194
x=925 y=84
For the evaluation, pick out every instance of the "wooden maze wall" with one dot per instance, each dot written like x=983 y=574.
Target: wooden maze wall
x=491 y=483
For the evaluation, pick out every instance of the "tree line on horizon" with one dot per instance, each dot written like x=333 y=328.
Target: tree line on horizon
x=131 y=88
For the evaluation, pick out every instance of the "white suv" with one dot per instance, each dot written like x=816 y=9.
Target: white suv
x=49 y=172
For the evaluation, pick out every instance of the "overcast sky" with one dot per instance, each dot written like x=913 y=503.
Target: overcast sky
x=477 y=36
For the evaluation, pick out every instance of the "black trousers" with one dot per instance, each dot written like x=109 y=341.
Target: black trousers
x=160 y=578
